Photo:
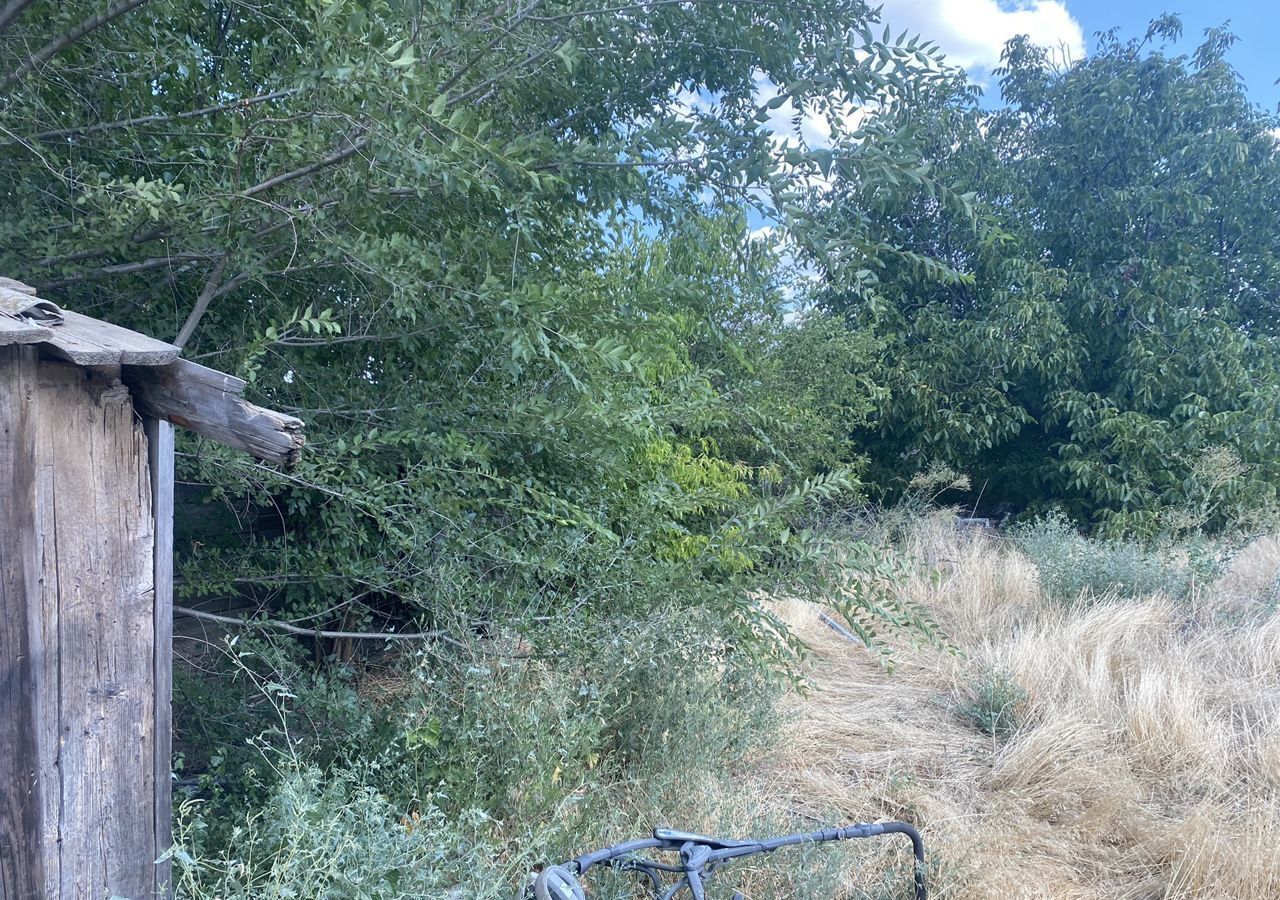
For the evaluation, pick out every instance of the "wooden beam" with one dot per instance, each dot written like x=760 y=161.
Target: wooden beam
x=209 y=403
x=22 y=826
x=17 y=330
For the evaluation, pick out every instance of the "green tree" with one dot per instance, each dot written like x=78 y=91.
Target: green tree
x=411 y=223
x=1112 y=321
x=494 y=255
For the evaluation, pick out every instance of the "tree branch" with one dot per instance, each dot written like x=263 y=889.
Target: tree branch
x=145 y=265
x=504 y=32
x=165 y=117
x=317 y=632
x=352 y=339
x=330 y=160
x=81 y=255
x=53 y=48
x=207 y=294
x=651 y=4
x=158 y=262
x=622 y=164
x=11 y=11
x=523 y=64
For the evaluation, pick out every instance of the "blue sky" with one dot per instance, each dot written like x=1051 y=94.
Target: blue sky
x=972 y=32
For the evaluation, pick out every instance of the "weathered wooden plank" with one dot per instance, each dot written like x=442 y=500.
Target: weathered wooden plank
x=17 y=298
x=209 y=403
x=92 y=342
x=22 y=857
x=16 y=330
x=18 y=287
x=98 y=558
x=51 y=660
x=160 y=454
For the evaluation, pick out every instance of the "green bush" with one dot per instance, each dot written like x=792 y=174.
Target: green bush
x=327 y=836
x=633 y=723
x=1074 y=567
x=996 y=705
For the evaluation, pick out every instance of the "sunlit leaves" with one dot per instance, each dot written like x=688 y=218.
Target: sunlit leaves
x=483 y=252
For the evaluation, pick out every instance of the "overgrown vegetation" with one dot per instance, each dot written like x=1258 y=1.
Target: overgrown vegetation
x=997 y=704
x=577 y=420
x=1074 y=567
x=327 y=835
x=1132 y=769
x=464 y=775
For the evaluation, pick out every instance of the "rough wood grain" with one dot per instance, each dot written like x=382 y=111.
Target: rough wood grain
x=92 y=342
x=209 y=403
x=48 y=774
x=160 y=450
x=16 y=330
x=86 y=596
x=97 y=687
x=22 y=870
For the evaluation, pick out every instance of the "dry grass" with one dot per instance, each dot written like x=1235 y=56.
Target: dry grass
x=1147 y=759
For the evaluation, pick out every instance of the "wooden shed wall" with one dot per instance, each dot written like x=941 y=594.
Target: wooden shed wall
x=84 y=799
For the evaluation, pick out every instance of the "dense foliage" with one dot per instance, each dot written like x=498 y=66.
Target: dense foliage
x=496 y=256
x=487 y=253
x=1108 y=337
x=567 y=412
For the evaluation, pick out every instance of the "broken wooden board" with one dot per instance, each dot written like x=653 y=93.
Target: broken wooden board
x=27 y=319
x=22 y=310
x=208 y=402
x=19 y=287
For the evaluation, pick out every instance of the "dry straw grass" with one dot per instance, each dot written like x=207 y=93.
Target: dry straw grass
x=1146 y=761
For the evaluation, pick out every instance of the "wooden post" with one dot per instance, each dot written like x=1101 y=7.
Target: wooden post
x=84 y=806
x=22 y=871
x=160 y=450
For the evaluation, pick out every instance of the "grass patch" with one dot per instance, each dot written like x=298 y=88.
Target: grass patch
x=464 y=771
x=1142 y=756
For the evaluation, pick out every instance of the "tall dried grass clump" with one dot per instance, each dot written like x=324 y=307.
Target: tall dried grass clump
x=1140 y=752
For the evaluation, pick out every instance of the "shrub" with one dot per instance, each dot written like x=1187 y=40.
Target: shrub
x=997 y=704
x=482 y=749
x=327 y=836
x=1073 y=566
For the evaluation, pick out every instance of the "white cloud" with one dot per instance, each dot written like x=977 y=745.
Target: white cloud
x=973 y=32
x=814 y=127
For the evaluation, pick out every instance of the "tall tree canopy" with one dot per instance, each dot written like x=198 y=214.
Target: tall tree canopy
x=489 y=252
x=563 y=413
x=1108 y=337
